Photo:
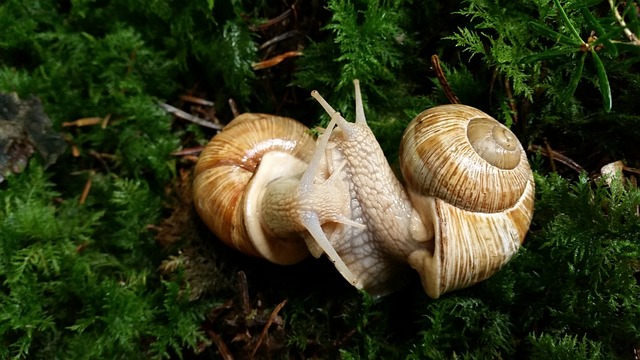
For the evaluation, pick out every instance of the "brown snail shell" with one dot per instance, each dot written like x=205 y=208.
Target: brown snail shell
x=470 y=180
x=228 y=165
x=463 y=156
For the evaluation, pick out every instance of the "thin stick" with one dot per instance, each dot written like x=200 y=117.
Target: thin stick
x=278 y=38
x=87 y=188
x=83 y=122
x=265 y=329
x=551 y=155
x=275 y=60
x=105 y=121
x=186 y=116
x=222 y=347
x=554 y=155
x=511 y=101
x=188 y=151
x=273 y=21
x=435 y=62
x=196 y=100
x=630 y=35
x=234 y=108
x=243 y=289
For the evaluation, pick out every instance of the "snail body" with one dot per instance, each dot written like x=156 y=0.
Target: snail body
x=339 y=197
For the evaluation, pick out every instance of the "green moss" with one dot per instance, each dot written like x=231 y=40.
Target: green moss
x=83 y=280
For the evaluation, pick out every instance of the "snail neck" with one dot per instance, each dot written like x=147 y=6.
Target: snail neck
x=278 y=242
x=379 y=227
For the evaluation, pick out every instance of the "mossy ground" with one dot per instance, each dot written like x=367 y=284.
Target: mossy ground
x=102 y=256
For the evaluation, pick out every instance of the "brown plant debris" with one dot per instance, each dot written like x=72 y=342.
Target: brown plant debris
x=246 y=328
x=556 y=156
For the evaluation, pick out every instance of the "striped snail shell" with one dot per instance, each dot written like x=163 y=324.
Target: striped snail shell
x=252 y=150
x=469 y=178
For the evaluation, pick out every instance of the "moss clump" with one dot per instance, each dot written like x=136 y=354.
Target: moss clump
x=101 y=254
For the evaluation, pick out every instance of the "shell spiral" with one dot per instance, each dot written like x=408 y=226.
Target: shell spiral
x=227 y=165
x=463 y=156
x=469 y=178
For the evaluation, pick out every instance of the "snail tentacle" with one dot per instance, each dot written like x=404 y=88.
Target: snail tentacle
x=309 y=189
x=374 y=250
x=360 y=117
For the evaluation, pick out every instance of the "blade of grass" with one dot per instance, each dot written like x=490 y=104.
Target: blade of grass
x=547 y=54
x=566 y=20
x=575 y=77
x=583 y=3
x=603 y=82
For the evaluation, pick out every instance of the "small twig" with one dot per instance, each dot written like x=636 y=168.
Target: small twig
x=75 y=151
x=265 y=329
x=554 y=155
x=275 y=60
x=630 y=35
x=87 y=188
x=273 y=21
x=83 y=122
x=511 y=101
x=105 y=121
x=243 y=290
x=80 y=248
x=188 y=151
x=551 y=155
x=632 y=170
x=340 y=343
x=234 y=108
x=186 y=116
x=196 y=100
x=222 y=347
x=278 y=38
x=435 y=62
x=101 y=158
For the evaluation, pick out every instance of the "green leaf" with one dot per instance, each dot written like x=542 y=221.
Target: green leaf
x=603 y=81
x=583 y=3
x=553 y=35
x=548 y=54
x=568 y=22
x=575 y=77
x=603 y=36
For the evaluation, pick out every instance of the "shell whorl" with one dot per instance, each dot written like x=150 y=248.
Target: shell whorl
x=466 y=158
x=227 y=165
x=470 y=179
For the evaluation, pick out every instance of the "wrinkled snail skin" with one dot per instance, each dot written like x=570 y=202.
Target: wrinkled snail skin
x=467 y=206
x=462 y=214
x=373 y=248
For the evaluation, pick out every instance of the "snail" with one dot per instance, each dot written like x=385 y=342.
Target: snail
x=462 y=213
